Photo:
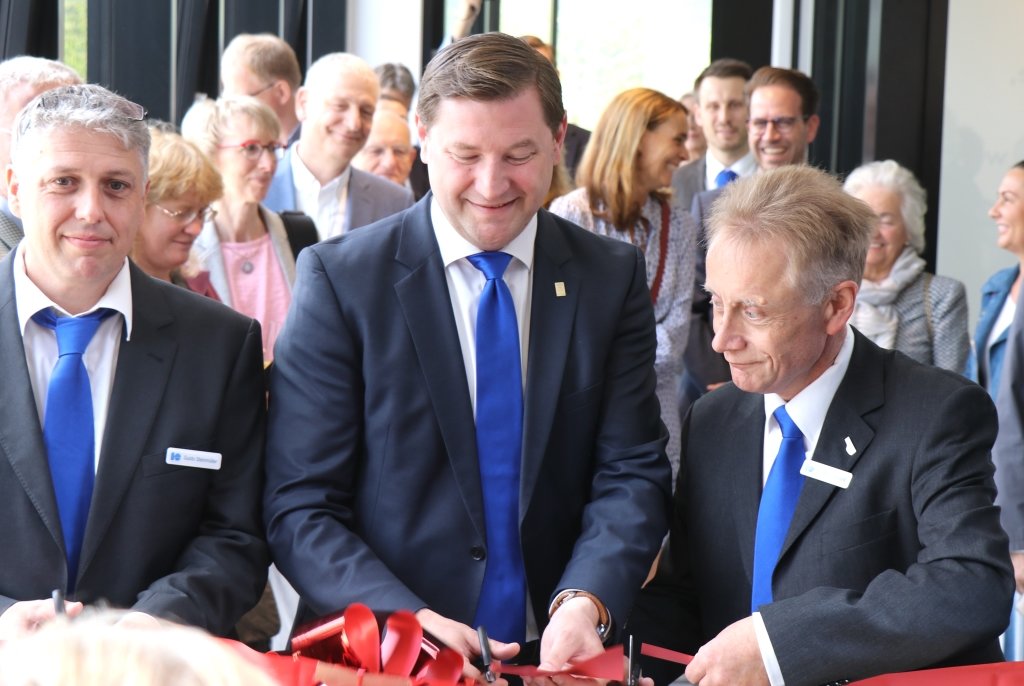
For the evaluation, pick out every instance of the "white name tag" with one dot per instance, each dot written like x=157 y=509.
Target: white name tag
x=184 y=457
x=826 y=473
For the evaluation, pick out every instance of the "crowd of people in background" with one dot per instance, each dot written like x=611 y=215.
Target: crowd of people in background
x=390 y=265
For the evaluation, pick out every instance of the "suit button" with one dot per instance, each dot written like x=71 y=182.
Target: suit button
x=477 y=552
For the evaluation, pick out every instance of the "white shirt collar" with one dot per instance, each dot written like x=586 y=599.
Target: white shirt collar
x=304 y=180
x=808 y=407
x=744 y=166
x=454 y=245
x=29 y=299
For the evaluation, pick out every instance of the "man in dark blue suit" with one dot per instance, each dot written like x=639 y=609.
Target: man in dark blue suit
x=375 y=492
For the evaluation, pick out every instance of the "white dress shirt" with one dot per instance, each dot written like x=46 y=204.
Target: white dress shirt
x=466 y=283
x=100 y=357
x=807 y=409
x=325 y=204
x=744 y=166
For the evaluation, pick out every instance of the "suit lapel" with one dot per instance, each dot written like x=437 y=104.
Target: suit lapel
x=143 y=367
x=741 y=454
x=553 y=313
x=10 y=232
x=21 y=433
x=860 y=392
x=357 y=207
x=426 y=304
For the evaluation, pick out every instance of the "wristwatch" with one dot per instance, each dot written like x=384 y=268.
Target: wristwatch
x=604 y=619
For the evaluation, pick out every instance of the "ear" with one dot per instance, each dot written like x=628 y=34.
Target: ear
x=282 y=91
x=812 y=127
x=839 y=307
x=560 y=136
x=13 y=186
x=422 y=133
x=301 y=97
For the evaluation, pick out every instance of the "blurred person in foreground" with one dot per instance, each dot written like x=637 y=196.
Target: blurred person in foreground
x=900 y=305
x=182 y=185
x=834 y=514
x=624 y=193
x=465 y=422
x=132 y=430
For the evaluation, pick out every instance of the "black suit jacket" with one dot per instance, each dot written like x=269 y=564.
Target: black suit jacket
x=905 y=569
x=373 y=490
x=176 y=542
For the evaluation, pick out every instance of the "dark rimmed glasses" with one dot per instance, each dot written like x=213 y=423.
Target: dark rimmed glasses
x=253 y=149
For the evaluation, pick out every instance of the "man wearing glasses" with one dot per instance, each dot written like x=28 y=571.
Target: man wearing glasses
x=265 y=67
x=131 y=439
x=783 y=122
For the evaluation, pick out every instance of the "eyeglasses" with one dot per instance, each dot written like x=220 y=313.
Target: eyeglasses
x=186 y=217
x=254 y=149
x=261 y=90
x=782 y=124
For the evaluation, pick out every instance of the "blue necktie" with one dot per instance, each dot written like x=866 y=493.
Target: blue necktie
x=68 y=428
x=725 y=177
x=499 y=438
x=778 y=501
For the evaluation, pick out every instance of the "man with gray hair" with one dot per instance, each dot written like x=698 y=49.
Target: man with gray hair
x=834 y=513
x=21 y=79
x=131 y=439
x=336 y=106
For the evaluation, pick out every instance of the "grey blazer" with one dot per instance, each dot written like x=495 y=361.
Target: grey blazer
x=933 y=328
x=688 y=181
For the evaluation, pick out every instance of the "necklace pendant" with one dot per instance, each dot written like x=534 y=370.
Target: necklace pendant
x=247 y=267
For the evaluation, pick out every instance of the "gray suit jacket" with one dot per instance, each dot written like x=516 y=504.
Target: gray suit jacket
x=10 y=230
x=181 y=543
x=370 y=197
x=688 y=181
x=907 y=568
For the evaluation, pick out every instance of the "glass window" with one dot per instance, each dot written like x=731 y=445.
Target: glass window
x=74 y=35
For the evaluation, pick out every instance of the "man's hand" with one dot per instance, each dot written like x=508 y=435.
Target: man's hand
x=1018 y=570
x=26 y=616
x=463 y=640
x=730 y=658
x=571 y=635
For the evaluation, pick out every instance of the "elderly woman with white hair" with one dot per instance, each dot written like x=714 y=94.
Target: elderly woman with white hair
x=900 y=305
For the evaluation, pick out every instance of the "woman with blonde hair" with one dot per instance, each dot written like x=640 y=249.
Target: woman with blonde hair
x=623 y=192
x=247 y=248
x=182 y=185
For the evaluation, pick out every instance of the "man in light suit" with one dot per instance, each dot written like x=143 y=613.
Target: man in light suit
x=374 y=484
x=173 y=456
x=889 y=556
x=336 y=106
x=783 y=106
x=21 y=79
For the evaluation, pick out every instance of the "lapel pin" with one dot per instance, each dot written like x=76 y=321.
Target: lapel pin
x=560 y=289
x=850 y=450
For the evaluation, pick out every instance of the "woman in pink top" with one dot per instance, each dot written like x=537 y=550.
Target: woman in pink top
x=245 y=246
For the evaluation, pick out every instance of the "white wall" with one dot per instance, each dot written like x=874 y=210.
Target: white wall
x=983 y=135
x=386 y=31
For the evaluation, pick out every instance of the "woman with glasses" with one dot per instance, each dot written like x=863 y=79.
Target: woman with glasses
x=245 y=247
x=900 y=305
x=182 y=184
x=623 y=192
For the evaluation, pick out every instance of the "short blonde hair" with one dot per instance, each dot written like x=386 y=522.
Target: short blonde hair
x=178 y=166
x=608 y=169
x=265 y=56
x=206 y=120
x=96 y=651
x=804 y=212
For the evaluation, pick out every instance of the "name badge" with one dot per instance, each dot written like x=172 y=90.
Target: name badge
x=201 y=459
x=828 y=474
